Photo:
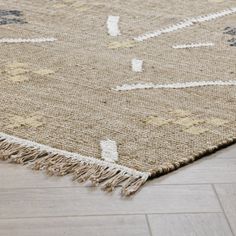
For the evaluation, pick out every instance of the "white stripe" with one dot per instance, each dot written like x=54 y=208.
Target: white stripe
x=185 y=23
x=137 y=65
x=109 y=150
x=83 y=159
x=20 y=40
x=193 y=45
x=112 y=25
x=127 y=87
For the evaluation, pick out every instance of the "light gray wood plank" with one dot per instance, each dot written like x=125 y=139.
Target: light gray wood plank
x=75 y=226
x=206 y=170
x=18 y=176
x=86 y=201
x=213 y=224
x=227 y=196
x=229 y=153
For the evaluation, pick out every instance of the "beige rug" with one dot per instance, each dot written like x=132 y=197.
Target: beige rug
x=116 y=92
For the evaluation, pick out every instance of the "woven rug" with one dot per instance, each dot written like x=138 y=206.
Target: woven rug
x=116 y=92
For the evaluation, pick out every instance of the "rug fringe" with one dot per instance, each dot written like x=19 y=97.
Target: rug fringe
x=59 y=163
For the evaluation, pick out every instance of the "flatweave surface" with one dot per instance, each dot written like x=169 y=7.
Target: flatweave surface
x=62 y=64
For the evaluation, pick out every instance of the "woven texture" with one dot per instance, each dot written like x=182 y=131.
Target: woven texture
x=61 y=94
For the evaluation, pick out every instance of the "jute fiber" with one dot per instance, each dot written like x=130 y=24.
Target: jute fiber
x=62 y=95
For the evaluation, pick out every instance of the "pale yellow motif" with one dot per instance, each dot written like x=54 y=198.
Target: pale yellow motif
x=80 y=7
x=17 y=71
x=19 y=121
x=156 y=121
x=64 y=3
x=58 y=6
x=216 y=121
x=73 y=4
x=19 y=78
x=216 y=1
x=188 y=122
x=44 y=72
x=68 y=1
x=16 y=65
x=181 y=113
x=124 y=44
x=196 y=130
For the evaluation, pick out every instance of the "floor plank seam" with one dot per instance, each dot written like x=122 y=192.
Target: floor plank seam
x=223 y=210
x=148 y=225
x=120 y=214
x=95 y=187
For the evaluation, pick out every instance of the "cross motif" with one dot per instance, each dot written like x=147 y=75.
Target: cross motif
x=20 y=121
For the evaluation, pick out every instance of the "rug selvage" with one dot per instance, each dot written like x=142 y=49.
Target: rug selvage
x=169 y=167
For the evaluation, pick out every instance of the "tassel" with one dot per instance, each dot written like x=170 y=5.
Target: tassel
x=60 y=163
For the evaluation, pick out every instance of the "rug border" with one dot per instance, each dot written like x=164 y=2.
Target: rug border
x=58 y=162
x=170 y=167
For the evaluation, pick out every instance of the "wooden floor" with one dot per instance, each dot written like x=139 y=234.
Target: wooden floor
x=197 y=200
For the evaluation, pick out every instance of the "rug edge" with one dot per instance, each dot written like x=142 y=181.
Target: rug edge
x=58 y=162
x=108 y=175
x=169 y=167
